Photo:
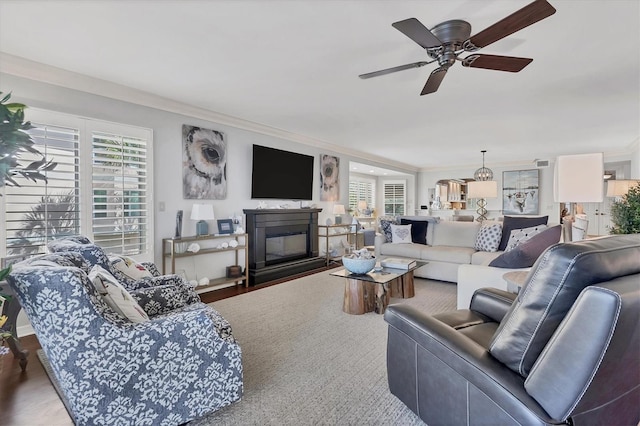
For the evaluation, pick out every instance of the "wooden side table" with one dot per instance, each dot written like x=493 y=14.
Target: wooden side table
x=11 y=310
x=515 y=280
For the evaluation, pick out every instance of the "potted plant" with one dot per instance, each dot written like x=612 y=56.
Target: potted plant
x=625 y=213
x=14 y=141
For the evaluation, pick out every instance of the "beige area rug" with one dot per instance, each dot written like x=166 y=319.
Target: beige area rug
x=308 y=363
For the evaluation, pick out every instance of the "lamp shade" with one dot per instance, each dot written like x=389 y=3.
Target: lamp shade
x=482 y=189
x=338 y=209
x=362 y=205
x=619 y=188
x=202 y=212
x=578 y=178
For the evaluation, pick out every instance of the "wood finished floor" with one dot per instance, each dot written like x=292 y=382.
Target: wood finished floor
x=29 y=399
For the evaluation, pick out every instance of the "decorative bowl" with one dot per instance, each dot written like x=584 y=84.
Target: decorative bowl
x=358 y=266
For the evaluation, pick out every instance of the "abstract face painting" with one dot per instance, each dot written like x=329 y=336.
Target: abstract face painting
x=204 y=163
x=329 y=178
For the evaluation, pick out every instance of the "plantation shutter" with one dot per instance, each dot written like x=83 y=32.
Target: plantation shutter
x=37 y=212
x=100 y=188
x=360 y=190
x=394 y=198
x=120 y=216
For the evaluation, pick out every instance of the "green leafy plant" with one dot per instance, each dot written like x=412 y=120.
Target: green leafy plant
x=14 y=141
x=625 y=213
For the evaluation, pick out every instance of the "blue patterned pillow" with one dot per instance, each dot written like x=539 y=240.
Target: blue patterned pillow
x=489 y=236
x=385 y=227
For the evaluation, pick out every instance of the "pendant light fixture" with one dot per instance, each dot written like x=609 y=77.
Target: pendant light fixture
x=483 y=173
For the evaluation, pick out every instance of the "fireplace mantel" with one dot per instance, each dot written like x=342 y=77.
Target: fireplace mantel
x=265 y=223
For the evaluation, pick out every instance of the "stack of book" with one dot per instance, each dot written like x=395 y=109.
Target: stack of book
x=398 y=263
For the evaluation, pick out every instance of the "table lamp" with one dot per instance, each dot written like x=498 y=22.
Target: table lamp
x=362 y=207
x=201 y=213
x=482 y=190
x=578 y=179
x=338 y=209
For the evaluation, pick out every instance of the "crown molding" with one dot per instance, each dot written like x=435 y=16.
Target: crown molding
x=24 y=68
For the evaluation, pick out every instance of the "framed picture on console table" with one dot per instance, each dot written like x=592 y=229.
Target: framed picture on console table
x=520 y=192
x=225 y=226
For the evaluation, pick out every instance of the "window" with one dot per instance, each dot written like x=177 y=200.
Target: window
x=394 y=197
x=361 y=189
x=99 y=188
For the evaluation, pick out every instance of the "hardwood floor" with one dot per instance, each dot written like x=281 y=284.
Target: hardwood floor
x=29 y=399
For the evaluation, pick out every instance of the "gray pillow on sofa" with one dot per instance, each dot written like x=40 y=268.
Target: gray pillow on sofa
x=526 y=253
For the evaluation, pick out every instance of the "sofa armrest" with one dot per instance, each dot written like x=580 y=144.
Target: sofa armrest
x=379 y=241
x=474 y=277
x=492 y=302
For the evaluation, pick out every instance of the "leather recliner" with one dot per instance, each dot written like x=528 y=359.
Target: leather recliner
x=565 y=350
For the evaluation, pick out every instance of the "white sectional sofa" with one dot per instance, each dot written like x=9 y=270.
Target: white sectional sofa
x=451 y=256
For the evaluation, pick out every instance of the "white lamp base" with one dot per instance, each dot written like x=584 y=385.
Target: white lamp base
x=579 y=227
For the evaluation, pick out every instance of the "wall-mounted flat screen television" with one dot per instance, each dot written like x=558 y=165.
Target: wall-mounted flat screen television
x=281 y=174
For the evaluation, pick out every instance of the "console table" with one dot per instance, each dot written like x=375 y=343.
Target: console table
x=328 y=231
x=170 y=252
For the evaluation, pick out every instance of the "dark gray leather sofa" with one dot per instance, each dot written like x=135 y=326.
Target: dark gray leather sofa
x=565 y=350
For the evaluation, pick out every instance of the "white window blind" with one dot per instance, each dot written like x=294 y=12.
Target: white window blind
x=100 y=188
x=37 y=212
x=119 y=193
x=394 y=197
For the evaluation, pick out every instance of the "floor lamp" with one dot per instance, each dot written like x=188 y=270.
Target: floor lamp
x=578 y=179
x=481 y=190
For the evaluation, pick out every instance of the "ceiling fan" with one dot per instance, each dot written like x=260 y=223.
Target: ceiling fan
x=447 y=40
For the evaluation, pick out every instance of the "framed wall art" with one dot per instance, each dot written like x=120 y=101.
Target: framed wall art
x=204 y=163
x=329 y=178
x=520 y=192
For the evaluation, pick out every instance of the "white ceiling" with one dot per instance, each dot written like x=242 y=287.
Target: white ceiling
x=293 y=65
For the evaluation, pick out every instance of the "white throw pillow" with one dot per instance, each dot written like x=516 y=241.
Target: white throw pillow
x=518 y=236
x=116 y=295
x=129 y=267
x=489 y=236
x=400 y=234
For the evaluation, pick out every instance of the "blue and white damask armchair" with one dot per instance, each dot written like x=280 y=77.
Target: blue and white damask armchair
x=175 y=367
x=155 y=294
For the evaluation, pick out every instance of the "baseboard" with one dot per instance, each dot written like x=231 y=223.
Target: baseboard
x=25 y=330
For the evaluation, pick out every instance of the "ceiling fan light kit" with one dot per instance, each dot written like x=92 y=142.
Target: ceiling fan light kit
x=447 y=40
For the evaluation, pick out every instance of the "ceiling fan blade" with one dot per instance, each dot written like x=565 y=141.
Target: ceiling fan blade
x=394 y=69
x=434 y=81
x=530 y=14
x=417 y=32
x=495 y=62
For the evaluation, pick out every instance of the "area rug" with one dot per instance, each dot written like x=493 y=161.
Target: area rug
x=308 y=363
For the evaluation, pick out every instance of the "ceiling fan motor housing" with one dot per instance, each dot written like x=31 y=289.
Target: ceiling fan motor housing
x=452 y=34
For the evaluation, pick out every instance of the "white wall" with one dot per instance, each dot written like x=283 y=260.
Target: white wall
x=428 y=180
x=167 y=148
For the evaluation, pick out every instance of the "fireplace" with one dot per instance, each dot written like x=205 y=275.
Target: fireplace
x=282 y=243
